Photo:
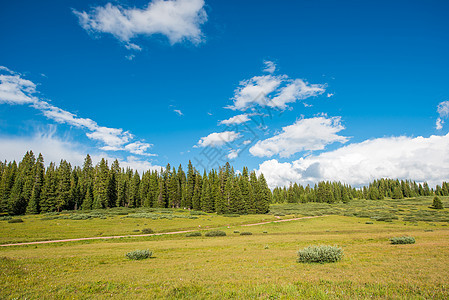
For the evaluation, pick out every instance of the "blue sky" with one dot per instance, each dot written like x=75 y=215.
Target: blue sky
x=324 y=90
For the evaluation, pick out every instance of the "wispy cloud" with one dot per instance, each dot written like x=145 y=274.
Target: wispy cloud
x=304 y=135
x=178 y=20
x=443 y=111
x=273 y=91
x=179 y=112
x=16 y=90
x=238 y=119
x=270 y=67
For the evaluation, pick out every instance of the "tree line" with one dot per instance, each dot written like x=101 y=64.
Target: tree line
x=29 y=187
x=333 y=192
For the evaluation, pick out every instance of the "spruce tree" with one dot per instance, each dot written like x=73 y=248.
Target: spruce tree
x=49 y=190
x=39 y=172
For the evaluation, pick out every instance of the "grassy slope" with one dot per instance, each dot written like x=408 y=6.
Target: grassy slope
x=262 y=265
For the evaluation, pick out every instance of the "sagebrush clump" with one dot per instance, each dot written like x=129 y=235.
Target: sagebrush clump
x=147 y=231
x=402 y=240
x=196 y=233
x=246 y=233
x=215 y=233
x=139 y=254
x=15 y=221
x=320 y=254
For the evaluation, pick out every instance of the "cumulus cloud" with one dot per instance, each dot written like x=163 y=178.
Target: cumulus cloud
x=178 y=20
x=439 y=124
x=238 y=119
x=303 y=135
x=419 y=158
x=218 y=139
x=179 y=112
x=270 y=66
x=16 y=90
x=273 y=91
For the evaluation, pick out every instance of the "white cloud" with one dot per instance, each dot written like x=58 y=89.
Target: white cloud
x=439 y=124
x=16 y=90
x=178 y=20
x=238 y=119
x=254 y=91
x=179 y=112
x=443 y=109
x=233 y=154
x=218 y=139
x=273 y=91
x=270 y=66
x=139 y=148
x=329 y=95
x=420 y=159
x=303 y=135
x=295 y=90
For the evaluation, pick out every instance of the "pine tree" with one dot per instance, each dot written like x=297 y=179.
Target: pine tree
x=196 y=200
x=6 y=184
x=39 y=172
x=87 y=178
x=49 y=190
x=23 y=185
x=263 y=198
x=101 y=179
x=63 y=192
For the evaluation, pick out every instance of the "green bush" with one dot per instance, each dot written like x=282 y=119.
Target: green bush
x=215 y=233
x=246 y=233
x=236 y=231
x=147 y=231
x=139 y=254
x=320 y=254
x=369 y=222
x=5 y=218
x=15 y=221
x=437 y=204
x=196 y=233
x=402 y=240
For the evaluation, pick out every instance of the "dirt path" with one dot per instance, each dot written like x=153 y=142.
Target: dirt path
x=139 y=235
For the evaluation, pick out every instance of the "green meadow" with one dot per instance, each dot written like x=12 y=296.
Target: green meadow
x=258 y=266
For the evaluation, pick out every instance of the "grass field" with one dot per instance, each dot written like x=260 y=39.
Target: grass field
x=258 y=266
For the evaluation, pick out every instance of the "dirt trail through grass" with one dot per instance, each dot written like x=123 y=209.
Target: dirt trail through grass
x=142 y=235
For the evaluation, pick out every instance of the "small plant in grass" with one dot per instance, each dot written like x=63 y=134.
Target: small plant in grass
x=139 y=254
x=437 y=204
x=197 y=213
x=215 y=233
x=246 y=233
x=15 y=221
x=196 y=233
x=5 y=218
x=320 y=254
x=147 y=231
x=236 y=231
x=402 y=240
x=368 y=222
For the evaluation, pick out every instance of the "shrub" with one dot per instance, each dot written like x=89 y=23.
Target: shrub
x=147 y=231
x=231 y=215
x=437 y=204
x=236 y=231
x=5 y=218
x=369 y=222
x=197 y=213
x=246 y=233
x=139 y=254
x=402 y=240
x=15 y=221
x=215 y=233
x=320 y=254
x=196 y=233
